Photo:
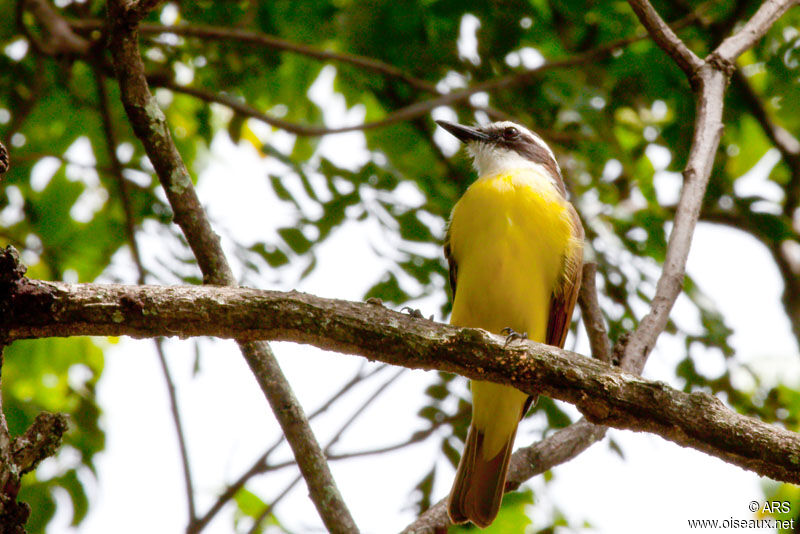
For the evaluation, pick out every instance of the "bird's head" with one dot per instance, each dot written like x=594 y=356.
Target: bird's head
x=504 y=146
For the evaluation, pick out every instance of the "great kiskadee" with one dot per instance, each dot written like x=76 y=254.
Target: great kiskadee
x=515 y=249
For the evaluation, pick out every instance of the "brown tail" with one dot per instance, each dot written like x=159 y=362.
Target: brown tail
x=478 y=489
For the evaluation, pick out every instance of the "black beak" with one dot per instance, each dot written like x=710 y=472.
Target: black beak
x=464 y=133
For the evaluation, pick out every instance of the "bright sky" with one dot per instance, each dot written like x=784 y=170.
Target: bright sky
x=228 y=423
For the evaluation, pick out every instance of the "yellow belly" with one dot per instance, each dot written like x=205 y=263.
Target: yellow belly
x=508 y=235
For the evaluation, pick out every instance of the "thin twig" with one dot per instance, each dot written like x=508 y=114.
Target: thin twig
x=785 y=142
x=527 y=462
x=61 y=39
x=709 y=83
x=176 y=418
x=150 y=126
x=271 y=506
x=592 y=314
x=270 y=41
x=360 y=410
x=665 y=37
x=416 y=437
x=130 y=231
x=407 y=113
x=753 y=30
x=116 y=169
x=334 y=439
x=260 y=465
x=411 y=111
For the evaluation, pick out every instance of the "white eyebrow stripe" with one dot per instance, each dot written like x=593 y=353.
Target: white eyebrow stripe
x=531 y=135
x=529 y=151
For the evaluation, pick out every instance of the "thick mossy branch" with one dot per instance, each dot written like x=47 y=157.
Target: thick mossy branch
x=20 y=456
x=40 y=441
x=604 y=394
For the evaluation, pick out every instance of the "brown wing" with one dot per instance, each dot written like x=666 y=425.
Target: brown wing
x=562 y=301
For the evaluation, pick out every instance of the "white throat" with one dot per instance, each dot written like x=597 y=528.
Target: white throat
x=489 y=160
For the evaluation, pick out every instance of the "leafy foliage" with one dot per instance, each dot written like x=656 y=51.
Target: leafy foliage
x=56 y=375
x=620 y=122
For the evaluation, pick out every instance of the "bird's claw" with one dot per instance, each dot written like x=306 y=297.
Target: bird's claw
x=513 y=335
x=415 y=313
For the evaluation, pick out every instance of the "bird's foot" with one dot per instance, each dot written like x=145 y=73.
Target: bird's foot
x=415 y=313
x=513 y=335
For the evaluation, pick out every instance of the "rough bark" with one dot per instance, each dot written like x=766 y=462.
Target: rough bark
x=604 y=394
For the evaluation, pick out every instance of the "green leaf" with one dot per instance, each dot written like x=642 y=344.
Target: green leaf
x=511 y=518
x=388 y=290
x=295 y=239
x=274 y=256
x=248 y=503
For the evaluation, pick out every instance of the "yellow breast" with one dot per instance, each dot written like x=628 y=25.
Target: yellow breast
x=508 y=235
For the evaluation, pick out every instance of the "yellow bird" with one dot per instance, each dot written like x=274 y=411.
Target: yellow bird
x=515 y=249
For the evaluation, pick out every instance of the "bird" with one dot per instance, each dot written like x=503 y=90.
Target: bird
x=514 y=245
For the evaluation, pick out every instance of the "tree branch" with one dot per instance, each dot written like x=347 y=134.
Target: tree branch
x=753 y=30
x=788 y=145
x=527 y=462
x=41 y=440
x=665 y=38
x=707 y=132
x=150 y=126
x=116 y=170
x=276 y=43
x=9 y=471
x=407 y=113
x=411 y=111
x=709 y=82
x=260 y=465
x=605 y=395
x=333 y=440
x=175 y=412
x=270 y=41
x=593 y=319
x=130 y=232
x=776 y=247
x=61 y=39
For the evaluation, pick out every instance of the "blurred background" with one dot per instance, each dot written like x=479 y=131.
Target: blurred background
x=256 y=95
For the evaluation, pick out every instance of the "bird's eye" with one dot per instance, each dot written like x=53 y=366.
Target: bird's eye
x=510 y=132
